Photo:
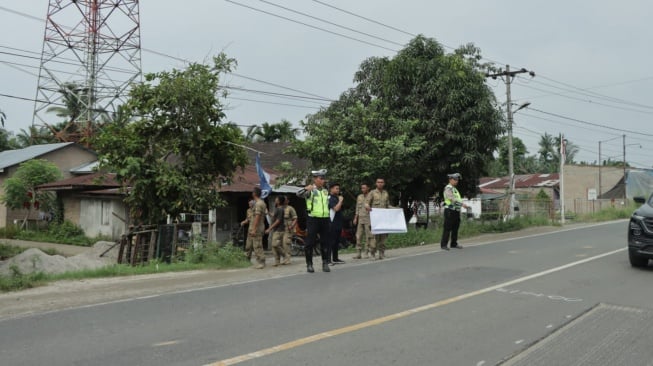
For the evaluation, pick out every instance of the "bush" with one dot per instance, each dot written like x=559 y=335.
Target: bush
x=19 y=281
x=62 y=233
x=8 y=232
x=8 y=251
x=215 y=255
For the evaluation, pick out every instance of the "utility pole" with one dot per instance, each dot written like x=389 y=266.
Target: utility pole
x=624 y=144
x=509 y=76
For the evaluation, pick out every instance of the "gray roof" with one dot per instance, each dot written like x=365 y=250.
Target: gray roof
x=14 y=157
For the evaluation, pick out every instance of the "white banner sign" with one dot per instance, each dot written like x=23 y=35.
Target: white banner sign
x=387 y=221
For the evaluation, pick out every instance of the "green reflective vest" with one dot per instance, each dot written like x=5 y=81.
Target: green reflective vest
x=317 y=204
x=457 y=201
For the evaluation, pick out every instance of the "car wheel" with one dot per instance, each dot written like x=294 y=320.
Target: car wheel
x=637 y=261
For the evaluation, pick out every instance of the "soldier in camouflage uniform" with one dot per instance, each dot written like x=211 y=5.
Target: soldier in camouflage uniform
x=290 y=222
x=276 y=230
x=362 y=222
x=257 y=228
x=249 y=243
x=378 y=198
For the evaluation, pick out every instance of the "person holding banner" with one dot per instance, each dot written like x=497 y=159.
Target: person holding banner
x=378 y=198
x=318 y=222
x=452 y=206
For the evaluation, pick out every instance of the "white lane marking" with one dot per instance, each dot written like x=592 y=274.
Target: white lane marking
x=162 y=344
x=549 y=326
x=538 y=294
x=519 y=341
x=480 y=363
x=367 y=324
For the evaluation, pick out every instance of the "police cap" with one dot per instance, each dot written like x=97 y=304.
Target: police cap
x=455 y=176
x=319 y=173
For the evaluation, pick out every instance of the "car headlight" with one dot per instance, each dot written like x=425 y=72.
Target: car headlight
x=635 y=226
x=638 y=217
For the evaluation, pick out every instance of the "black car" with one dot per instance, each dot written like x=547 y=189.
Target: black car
x=640 y=233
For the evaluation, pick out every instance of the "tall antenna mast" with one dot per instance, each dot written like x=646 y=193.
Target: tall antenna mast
x=91 y=55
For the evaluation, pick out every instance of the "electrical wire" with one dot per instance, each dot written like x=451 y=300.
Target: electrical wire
x=310 y=26
x=331 y=23
x=590 y=123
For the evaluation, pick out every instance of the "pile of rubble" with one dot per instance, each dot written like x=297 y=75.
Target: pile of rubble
x=101 y=254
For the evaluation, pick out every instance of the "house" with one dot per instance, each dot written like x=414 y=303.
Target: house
x=94 y=202
x=581 y=187
x=66 y=156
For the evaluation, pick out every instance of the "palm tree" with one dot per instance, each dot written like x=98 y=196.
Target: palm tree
x=268 y=133
x=251 y=133
x=35 y=136
x=287 y=133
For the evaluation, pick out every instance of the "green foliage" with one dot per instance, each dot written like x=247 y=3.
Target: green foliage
x=20 y=189
x=62 y=233
x=8 y=251
x=8 y=232
x=19 y=281
x=276 y=132
x=176 y=147
x=412 y=119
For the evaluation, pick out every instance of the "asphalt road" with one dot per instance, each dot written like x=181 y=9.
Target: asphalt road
x=478 y=306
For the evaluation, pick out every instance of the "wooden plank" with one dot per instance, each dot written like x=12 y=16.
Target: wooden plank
x=150 y=249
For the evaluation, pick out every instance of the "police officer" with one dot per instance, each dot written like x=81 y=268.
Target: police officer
x=452 y=206
x=378 y=198
x=317 y=206
x=257 y=227
x=362 y=222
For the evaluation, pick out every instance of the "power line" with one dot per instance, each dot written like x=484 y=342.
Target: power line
x=274 y=103
x=598 y=95
x=585 y=100
x=332 y=23
x=310 y=26
x=590 y=123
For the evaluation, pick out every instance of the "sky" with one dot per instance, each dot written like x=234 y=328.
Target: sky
x=592 y=59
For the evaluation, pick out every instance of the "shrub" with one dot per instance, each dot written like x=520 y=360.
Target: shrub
x=8 y=232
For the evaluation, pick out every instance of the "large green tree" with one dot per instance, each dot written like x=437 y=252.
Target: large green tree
x=20 y=189
x=175 y=147
x=444 y=99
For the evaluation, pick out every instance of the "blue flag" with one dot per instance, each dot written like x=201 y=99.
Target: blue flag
x=264 y=177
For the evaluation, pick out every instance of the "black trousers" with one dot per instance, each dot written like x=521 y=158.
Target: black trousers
x=317 y=226
x=334 y=239
x=450 y=227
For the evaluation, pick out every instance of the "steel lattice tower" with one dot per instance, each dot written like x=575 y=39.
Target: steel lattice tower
x=91 y=55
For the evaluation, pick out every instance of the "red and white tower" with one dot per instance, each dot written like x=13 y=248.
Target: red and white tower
x=91 y=55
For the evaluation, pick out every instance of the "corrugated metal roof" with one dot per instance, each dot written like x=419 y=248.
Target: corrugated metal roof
x=521 y=181
x=10 y=158
x=85 y=168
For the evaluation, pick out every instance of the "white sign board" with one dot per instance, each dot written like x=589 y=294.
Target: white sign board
x=591 y=194
x=387 y=221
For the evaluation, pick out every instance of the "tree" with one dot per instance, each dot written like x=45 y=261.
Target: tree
x=445 y=99
x=172 y=147
x=364 y=143
x=272 y=132
x=20 y=189
x=549 y=153
x=8 y=140
x=3 y=118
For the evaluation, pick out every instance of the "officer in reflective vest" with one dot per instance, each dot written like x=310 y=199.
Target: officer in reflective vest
x=452 y=206
x=317 y=206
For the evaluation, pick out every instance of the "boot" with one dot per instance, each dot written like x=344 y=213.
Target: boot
x=286 y=260
x=358 y=256
x=381 y=254
x=309 y=268
x=260 y=265
x=325 y=267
